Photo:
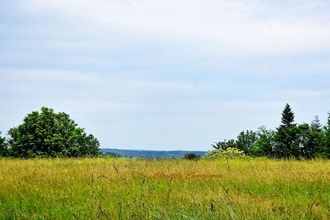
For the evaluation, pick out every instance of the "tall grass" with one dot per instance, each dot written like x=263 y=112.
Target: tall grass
x=164 y=189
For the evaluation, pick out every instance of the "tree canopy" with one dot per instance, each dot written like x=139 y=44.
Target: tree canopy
x=3 y=146
x=50 y=134
x=289 y=140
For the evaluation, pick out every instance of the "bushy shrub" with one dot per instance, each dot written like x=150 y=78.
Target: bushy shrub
x=191 y=156
x=229 y=153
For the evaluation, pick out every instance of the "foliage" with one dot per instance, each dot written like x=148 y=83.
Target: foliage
x=311 y=139
x=223 y=145
x=289 y=140
x=325 y=148
x=287 y=117
x=191 y=156
x=246 y=140
x=50 y=134
x=229 y=153
x=264 y=144
x=3 y=146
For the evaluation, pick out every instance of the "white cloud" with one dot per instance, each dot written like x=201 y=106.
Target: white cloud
x=119 y=93
x=142 y=73
x=238 y=26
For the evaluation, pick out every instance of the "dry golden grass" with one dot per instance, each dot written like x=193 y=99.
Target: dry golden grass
x=105 y=188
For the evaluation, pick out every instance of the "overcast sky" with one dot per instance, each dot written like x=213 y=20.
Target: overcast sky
x=152 y=74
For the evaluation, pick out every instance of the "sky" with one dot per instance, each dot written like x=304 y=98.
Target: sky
x=165 y=75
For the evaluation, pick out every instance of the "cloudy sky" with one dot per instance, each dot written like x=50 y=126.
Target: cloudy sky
x=152 y=74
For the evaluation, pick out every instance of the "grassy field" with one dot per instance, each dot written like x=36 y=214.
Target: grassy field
x=164 y=189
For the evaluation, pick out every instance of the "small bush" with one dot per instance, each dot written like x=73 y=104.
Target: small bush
x=229 y=153
x=191 y=156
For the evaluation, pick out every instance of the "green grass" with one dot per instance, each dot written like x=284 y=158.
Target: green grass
x=119 y=188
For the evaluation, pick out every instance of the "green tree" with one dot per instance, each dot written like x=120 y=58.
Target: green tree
x=51 y=134
x=223 y=145
x=317 y=138
x=264 y=145
x=287 y=138
x=3 y=146
x=310 y=138
x=246 y=140
x=316 y=124
x=325 y=149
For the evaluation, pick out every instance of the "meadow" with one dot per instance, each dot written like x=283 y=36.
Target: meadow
x=119 y=188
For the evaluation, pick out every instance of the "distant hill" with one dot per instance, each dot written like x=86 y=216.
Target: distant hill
x=149 y=153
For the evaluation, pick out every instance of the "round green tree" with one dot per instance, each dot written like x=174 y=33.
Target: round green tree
x=50 y=134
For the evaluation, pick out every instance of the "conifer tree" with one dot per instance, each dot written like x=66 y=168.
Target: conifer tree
x=286 y=138
x=287 y=117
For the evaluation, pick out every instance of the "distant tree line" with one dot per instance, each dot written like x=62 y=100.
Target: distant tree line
x=289 y=140
x=48 y=134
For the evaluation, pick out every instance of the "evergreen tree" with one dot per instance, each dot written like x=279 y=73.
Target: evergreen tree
x=287 y=138
x=316 y=124
x=287 y=117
